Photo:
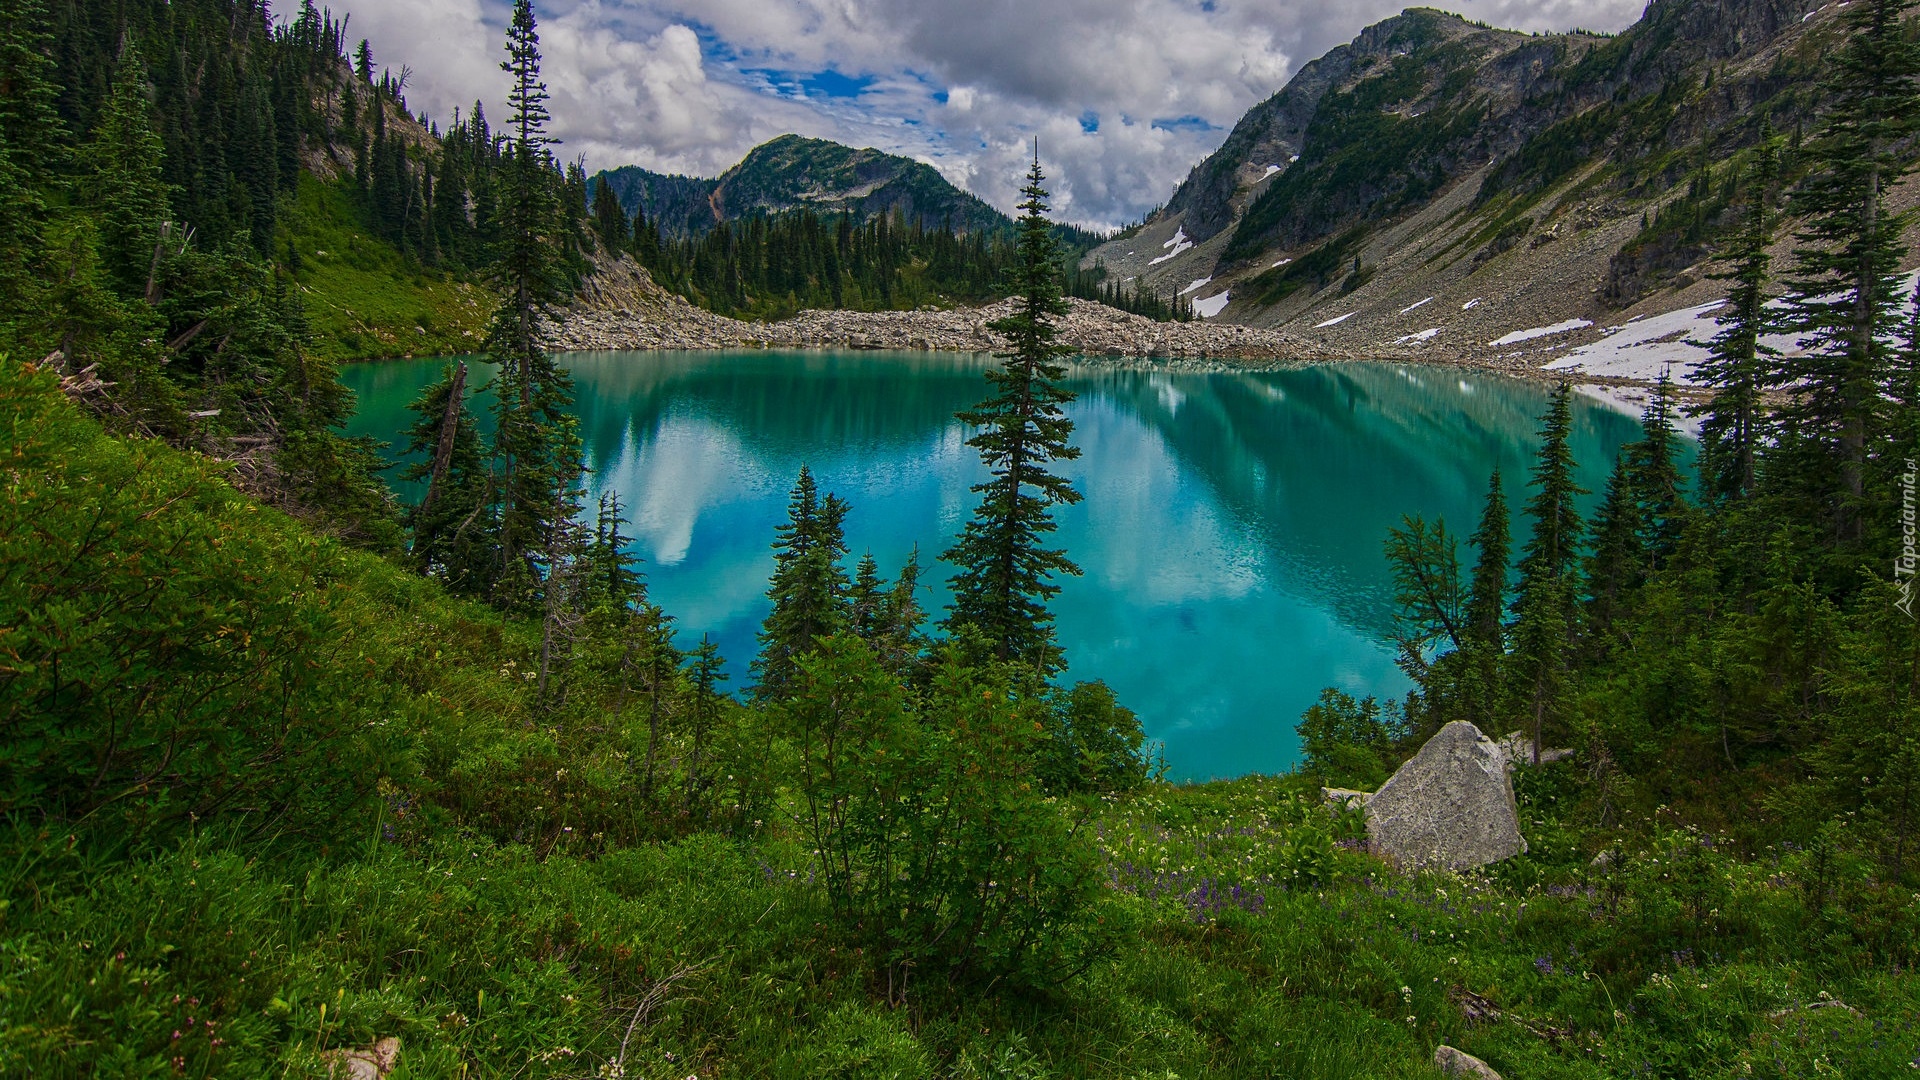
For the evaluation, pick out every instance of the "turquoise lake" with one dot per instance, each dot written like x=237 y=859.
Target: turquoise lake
x=1230 y=535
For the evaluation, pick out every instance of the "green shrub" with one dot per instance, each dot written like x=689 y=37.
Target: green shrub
x=931 y=822
x=1348 y=743
x=1093 y=743
x=168 y=648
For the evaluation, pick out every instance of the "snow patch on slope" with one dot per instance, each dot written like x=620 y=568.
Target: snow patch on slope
x=1541 y=331
x=1197 y=283
x=1179 y=243
x=1211 y=306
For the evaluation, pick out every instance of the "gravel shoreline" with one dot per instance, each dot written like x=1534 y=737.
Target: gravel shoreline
x=621 y=308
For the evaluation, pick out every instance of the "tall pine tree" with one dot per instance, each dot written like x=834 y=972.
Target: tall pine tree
x=809 y=588
x=1733 y=421
x=1544 y=601
x=124 y=157
x=535 y=440
x=1845 y=302
x=1005 y=576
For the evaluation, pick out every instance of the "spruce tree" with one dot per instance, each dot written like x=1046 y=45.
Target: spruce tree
x=124 y=159
x=866 y=599
x=1005 y=573
x=535 y=439
x=1487 y=593
x=1618 y=563
x=30 y=133
x=706 y=670
x=1478 y=670
x=809 y=587
x=1544 y=600
x=1844 y=301
x=609 y=220
x=1660 y=507
x=614 y=580
x=1733 y=424
x=1553 y=550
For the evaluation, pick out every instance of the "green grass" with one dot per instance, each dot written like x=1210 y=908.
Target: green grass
x=487 y=961
x=365 y=299
x=489 y=899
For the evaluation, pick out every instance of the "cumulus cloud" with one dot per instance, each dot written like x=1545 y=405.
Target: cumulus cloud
x=1125 y=95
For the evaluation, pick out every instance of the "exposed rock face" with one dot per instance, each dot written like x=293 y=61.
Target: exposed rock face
x=1452 y=1062
x=1451 y=805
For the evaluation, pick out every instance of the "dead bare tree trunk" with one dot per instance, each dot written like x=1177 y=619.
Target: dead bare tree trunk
x=449 y=427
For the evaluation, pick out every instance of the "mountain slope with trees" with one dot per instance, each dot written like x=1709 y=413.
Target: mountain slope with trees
x=793 y=173
x=1511 y=181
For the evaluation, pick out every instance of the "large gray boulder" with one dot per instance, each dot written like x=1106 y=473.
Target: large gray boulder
x=1451 y=805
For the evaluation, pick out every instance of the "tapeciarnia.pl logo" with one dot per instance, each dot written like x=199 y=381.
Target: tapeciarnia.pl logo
x=1908 y=561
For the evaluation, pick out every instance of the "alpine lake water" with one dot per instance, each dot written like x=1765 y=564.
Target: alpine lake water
x=1230 y=535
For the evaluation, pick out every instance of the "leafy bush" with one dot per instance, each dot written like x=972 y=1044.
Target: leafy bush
x=1348 y=743
x=1094 y=743
x=166 y=653
x=932 y=826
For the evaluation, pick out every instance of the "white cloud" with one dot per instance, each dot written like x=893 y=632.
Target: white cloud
x=691 y=85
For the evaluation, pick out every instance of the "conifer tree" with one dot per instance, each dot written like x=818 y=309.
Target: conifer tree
x=1005 y=573
x=1484 y=613
x=1487 y=593
x=1844 y=301
x=124 y=156
x=614 y=580
x=1733 y=421
x=809 y=588
x=1544 y=600
x=866 y=599
x=1660 y=507
x=1553 y=550
x=705 y=672
x=1618 y=562
x=535 y=439
x=30 y=131
x=609 y=220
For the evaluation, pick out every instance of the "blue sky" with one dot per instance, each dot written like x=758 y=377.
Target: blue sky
x=1125 y=95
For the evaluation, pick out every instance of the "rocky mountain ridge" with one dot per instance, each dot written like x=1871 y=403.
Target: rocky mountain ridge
x=793 y=173
x=1436 y=187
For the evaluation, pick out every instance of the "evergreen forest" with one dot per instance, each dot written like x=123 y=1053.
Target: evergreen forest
x=300 y=778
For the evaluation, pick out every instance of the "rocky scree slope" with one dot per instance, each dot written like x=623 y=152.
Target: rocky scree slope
x=621 y=307
x=1436 y=188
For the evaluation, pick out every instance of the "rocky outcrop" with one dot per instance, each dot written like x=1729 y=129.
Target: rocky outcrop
x=620 y=307
x=1450 y=806
x=1452 y=1062
x=1517 y=748
x=372 y=1063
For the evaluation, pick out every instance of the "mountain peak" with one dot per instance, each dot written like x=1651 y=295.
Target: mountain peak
x=791 y=172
